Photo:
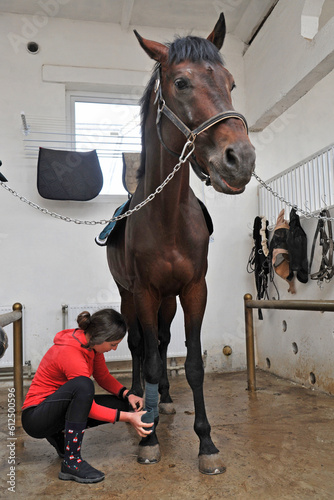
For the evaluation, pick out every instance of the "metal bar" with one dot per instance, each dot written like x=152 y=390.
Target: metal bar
x=18 y=359
x=250 y=351
x=298 y=305
x=7 y=318
x=250 y=304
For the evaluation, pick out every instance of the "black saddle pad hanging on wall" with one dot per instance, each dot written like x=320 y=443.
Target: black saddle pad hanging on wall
x=68 y=175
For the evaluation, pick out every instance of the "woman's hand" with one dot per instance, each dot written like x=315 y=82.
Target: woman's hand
x=134 y=419
x=136 y=402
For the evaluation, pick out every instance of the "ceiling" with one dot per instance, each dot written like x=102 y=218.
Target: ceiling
x=243 y=17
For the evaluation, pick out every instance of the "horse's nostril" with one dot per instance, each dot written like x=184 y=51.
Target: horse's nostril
x=239 y=156
x=231 y=157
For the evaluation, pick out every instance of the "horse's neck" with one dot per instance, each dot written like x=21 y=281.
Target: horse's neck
x=176 y=191
x=160 y=163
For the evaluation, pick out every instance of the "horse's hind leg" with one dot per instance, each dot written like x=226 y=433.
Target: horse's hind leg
x=194 y=306
x=166 y=314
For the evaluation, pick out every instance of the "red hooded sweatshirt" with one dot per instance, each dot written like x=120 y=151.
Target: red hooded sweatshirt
x=67 y=359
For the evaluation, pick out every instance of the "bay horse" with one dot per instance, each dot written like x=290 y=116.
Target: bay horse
x=160 y=251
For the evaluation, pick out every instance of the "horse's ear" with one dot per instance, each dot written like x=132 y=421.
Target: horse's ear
x=155 y=50
x=219 y=31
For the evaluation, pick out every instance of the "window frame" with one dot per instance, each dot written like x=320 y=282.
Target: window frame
x=73 y=96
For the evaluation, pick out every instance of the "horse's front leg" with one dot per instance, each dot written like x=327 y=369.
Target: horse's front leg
x=135 y=339
x=166 y=314
x=193 y=304
x=147 y=310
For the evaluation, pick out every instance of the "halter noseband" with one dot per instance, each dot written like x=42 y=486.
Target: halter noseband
x=190 y=135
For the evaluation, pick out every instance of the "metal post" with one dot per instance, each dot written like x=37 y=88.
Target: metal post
x=250 y=351
x=18 y=359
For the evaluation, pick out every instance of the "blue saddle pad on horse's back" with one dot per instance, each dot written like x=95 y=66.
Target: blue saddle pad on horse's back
x=102 y=238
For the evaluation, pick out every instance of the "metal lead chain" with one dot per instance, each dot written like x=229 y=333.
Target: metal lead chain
x=182 y=159
x=307 y=214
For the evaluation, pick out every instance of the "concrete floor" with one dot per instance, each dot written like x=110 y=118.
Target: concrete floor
x=276 y=444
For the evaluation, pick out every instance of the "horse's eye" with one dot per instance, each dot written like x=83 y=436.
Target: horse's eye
x=181 y=83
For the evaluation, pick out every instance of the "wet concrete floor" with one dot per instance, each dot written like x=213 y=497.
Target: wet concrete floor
x=276 y=444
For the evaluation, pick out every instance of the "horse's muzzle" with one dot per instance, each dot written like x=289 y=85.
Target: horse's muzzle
x=231 y=171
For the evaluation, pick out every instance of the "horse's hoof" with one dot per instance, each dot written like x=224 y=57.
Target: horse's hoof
x=149 y=454
x=211 y=464
x=167 y=408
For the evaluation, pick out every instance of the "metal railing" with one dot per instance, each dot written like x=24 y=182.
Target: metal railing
x=250 y=304
x=307 y=185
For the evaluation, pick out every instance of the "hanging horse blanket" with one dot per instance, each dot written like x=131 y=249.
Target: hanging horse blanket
x=68 y=175
x=297 y=245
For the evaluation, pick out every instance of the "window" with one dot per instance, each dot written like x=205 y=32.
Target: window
x=111 y=126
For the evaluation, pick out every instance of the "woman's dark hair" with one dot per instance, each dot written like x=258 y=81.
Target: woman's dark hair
x=106 y=325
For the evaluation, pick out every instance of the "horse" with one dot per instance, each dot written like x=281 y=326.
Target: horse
x=160 y=250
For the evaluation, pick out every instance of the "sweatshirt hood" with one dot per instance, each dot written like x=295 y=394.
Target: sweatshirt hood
x=75 y=338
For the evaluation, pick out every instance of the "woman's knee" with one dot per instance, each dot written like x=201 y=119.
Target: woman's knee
x=83 y=387
x=85 y=383
x=82 y=399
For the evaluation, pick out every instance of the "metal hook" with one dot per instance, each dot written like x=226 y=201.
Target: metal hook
x=308 y=215
x=323 y=199
x=271 y=226
x=25 y=126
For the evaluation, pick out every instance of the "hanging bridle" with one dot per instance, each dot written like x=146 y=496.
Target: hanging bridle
x=326 y=270
x=190 y=135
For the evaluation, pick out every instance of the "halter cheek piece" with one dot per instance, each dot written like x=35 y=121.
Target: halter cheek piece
x=190 y=135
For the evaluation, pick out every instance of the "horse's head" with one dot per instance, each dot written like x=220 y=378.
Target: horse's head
x=196 y=87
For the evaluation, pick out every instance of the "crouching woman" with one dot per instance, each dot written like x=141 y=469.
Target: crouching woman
x=61 y=401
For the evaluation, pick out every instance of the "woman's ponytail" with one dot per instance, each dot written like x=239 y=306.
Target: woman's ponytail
x=84 y=320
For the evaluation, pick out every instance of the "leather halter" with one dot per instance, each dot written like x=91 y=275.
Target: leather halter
x=190 y=135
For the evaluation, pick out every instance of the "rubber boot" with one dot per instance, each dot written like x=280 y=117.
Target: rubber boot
x=73 y=467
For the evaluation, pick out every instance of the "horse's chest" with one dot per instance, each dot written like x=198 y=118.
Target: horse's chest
x=171 y=269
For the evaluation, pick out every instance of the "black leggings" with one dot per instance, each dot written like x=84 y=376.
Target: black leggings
x=72 y=402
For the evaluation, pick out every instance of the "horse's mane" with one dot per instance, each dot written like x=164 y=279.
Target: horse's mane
x=190 y=48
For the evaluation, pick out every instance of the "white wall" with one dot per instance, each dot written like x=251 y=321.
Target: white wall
x=302 y=130
x=281 y=65
x=47 y=262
